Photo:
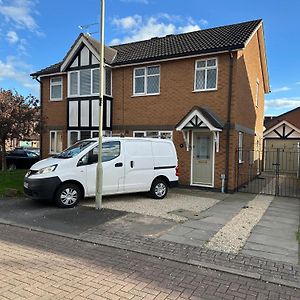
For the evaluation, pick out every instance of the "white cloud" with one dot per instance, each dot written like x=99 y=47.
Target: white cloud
x=137 y=28
x=127 y=22
x=281 y=89
x=203 y=22
x=298 y=82
x=12 y=37
x=282 y=103
x=20 y=13
x=16 y=70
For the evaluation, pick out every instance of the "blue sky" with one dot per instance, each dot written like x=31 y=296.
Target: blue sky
x=35 y=34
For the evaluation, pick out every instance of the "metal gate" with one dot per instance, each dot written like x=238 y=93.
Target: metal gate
x=272 y=172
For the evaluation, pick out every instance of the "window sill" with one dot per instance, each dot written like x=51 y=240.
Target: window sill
x=201 y=91
x=85 y=96
x=55 y=100
x=145 y=95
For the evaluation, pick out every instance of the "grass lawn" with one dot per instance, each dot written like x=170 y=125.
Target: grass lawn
x=13 y=180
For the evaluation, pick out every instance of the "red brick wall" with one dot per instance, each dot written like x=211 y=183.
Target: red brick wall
x=55 y=114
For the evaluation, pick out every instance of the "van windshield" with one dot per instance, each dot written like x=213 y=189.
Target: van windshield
x=74 y=149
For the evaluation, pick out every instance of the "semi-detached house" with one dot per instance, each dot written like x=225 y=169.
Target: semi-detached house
x=203 y=89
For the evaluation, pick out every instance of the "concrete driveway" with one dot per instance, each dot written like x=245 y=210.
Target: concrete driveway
x=187 y=217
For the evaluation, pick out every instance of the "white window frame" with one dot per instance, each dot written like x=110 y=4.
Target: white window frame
x=159 y=132
x=257 y=93
x=56 y=84
x=55 y=138
x=240 y=147
x=145 y=81
x=205 y=69
x=78 y=84
x=105 y=133
x=69 y=136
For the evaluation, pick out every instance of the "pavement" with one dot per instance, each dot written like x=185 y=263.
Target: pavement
x=274 y=237
x=145 y=235
x=36 y=265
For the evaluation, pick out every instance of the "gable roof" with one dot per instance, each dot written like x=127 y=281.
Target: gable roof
x=292 y=116
x=284 y=123
x=218 y=39
x=197 y=42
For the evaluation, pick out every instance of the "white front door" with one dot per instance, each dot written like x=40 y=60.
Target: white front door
x=202 y=159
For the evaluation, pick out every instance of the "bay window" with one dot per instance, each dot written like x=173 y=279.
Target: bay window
x=86 y=82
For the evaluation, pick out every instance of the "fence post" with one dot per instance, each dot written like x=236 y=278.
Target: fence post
x=277 y=172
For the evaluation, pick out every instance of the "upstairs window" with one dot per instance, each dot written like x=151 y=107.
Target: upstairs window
x=86 y=82
x=146 y=81
x=206 y=75
x=56 y=89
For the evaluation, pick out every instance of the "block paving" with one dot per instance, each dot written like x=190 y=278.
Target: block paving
x=36 y=265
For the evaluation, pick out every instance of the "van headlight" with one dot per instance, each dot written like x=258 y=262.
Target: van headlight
x=46 y=169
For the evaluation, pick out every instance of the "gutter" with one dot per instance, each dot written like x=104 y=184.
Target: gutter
x=228 y=123
x=41 y=106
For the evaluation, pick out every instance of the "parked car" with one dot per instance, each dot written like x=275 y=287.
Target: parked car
x=21 y=159
x=129 y=165
x=32 y=149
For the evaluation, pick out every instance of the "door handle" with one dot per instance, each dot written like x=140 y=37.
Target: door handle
x=131 y=164
x=118 y=165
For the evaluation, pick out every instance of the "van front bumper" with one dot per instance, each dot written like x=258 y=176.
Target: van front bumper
x=43 y=189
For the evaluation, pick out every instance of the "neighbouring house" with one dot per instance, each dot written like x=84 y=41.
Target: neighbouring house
x=203 y=89
x=282 y=141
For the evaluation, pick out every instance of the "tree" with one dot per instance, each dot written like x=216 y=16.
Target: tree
x=19 y=118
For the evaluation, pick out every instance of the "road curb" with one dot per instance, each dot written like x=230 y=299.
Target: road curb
x=233 y=271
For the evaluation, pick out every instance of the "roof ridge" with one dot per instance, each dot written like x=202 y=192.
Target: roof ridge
x=186 y=33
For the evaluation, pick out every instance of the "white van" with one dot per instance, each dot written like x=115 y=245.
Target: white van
x=129 y=165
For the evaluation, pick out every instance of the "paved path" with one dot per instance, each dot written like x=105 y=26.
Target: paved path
x=274 y=237
x=197 y=232
x=41 y=266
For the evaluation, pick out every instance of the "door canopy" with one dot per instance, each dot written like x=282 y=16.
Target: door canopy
x=199 y=118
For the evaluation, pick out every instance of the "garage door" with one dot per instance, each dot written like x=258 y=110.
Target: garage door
x=284 y=152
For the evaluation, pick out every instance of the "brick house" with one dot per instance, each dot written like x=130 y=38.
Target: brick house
x=203 y=89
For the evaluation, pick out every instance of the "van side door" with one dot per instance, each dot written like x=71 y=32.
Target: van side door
x=139 y=168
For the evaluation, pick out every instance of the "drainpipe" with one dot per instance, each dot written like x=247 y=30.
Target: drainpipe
x=228 y=123
x=41 y=114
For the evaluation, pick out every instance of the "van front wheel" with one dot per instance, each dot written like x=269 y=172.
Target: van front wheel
x=159 y=189
x=68 y=195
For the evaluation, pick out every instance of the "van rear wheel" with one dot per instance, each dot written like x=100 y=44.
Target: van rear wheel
x=68 y=195
x=159 y=189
